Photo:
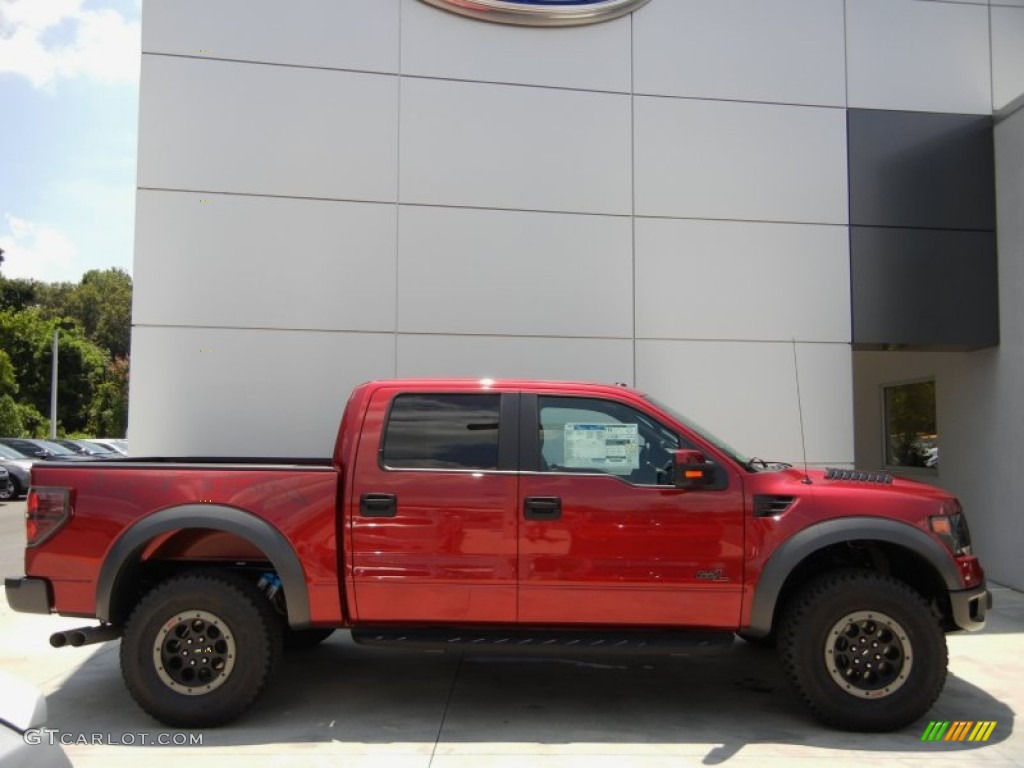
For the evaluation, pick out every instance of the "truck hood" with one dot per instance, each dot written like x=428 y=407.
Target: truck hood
x=840 y=493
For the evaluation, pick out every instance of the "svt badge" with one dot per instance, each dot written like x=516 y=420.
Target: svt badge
x=541 y=13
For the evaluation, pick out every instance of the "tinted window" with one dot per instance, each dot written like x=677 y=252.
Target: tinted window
x=442 y=432
x=56 y=448
x=9 y=453
x=26 y=448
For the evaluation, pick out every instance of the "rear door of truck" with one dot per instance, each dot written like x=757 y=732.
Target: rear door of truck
x=432 y=507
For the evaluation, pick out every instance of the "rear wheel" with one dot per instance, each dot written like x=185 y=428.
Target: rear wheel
x=199 y=649
x=863 y=650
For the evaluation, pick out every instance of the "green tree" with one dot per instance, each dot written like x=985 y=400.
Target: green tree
x=108 y=414
x=27 y=337
x=17 y=293
x=8 y=382
x=10 y=417
x=15 y=418
x=94 y=320
x=103 y=305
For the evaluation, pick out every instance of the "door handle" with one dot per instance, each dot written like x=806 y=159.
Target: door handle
x=378 y=505
x=542 y=508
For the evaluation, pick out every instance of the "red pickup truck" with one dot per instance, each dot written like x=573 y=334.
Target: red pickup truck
x=506 y=516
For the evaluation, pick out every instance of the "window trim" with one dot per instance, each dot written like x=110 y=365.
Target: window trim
x=508 y=435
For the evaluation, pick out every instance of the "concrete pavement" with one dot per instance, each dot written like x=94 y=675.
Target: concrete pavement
x=344 y=703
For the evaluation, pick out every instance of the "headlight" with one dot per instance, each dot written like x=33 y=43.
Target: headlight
x=953 y=531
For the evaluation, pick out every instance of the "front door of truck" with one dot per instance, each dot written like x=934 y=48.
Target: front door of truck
x=605 y=538
x=432 y=509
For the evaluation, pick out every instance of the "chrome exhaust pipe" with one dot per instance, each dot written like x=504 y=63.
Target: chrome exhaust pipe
x=76 y=638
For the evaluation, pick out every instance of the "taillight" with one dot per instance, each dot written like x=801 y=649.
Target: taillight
x=46 y=510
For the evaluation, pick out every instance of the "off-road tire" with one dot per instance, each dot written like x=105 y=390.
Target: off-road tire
x=863 y=650
x=248 y=647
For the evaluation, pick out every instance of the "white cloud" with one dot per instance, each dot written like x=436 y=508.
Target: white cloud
x=37 y=251
x=44 y=40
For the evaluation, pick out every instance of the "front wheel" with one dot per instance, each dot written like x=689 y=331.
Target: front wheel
x=863 y=650
x=199 y=649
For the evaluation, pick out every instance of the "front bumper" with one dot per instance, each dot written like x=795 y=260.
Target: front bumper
x=970 y=607
x=28 y=595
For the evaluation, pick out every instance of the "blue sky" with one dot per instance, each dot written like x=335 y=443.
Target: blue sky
x=69 y=84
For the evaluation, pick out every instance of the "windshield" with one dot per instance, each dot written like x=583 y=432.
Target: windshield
x=10 y=453
x=56 y=448
x=720 y=444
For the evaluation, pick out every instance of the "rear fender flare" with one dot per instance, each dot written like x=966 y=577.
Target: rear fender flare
x=215 y=517
x=808 y=541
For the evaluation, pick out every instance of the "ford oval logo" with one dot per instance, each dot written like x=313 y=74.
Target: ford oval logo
x=541 y=13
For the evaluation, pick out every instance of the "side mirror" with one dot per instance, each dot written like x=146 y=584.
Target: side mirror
x=691 y=470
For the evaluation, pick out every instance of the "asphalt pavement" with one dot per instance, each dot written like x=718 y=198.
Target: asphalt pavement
x=344 y=704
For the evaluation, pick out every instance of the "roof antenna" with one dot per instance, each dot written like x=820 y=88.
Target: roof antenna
x=800 y=410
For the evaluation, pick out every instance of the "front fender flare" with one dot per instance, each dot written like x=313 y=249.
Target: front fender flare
x=214 y=517
x=803 y=544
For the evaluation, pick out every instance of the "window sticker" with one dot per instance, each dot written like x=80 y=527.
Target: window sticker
x=613 y=448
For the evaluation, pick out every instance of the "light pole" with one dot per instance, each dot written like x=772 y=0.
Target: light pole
x=53 y=385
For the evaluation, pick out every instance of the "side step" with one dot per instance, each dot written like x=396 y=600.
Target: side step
x=540 y=641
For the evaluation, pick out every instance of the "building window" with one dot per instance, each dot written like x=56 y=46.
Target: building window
x=911 y=435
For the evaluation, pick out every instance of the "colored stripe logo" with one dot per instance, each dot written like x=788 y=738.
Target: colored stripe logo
x=959 y=730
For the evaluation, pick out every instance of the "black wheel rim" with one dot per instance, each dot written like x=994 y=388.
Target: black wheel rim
x=868 y=654
x=194 y=652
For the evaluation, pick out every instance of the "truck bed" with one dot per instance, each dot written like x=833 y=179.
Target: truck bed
x=296 y=496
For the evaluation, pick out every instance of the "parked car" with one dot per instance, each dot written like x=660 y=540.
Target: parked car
x=18 y=468
x=6 y=486
x=23 y=740
x=109 y=443
x=40 y=449
x=87 y=447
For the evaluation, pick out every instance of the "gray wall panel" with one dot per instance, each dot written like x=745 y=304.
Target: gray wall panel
x=924 y=288
x=919 y=169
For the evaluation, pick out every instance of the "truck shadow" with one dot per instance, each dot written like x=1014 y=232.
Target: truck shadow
x=719 y=702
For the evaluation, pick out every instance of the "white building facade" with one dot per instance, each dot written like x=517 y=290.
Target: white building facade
x=332 y=191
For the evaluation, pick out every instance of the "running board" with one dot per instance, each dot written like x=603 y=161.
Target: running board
x=527 y=641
